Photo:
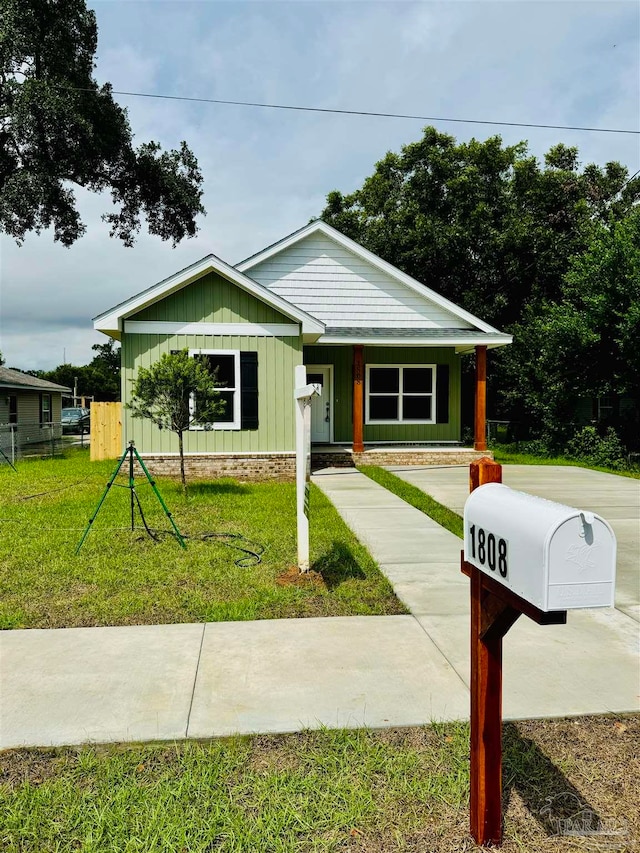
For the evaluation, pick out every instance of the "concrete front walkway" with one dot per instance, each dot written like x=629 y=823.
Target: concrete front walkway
x=160 y=682
x=589 y=665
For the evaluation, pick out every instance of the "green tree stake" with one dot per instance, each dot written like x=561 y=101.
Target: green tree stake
x=129 y=452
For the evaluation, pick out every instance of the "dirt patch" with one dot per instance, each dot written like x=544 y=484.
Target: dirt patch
x=294 y=577
x=32 y=767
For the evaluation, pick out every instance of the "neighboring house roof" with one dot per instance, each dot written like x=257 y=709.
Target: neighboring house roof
x=25 y=382
x=356 y=293
x=111 y=322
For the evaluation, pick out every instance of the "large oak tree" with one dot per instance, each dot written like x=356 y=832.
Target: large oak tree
x=525 y=245
x=58 y=128
x=484 y=224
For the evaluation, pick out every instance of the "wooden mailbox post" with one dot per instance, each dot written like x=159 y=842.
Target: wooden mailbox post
x=523 y=555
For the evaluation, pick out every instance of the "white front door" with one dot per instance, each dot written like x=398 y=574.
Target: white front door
x=321 y=406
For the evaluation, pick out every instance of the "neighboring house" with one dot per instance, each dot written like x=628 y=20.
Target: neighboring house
x=25 y=399
x=29 y=410
x=385 y=348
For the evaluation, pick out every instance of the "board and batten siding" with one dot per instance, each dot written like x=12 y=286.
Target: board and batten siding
x=341 y=358
x=331 y=283
x=213 y=299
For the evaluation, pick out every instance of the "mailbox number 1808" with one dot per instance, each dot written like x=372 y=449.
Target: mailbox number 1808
x=488 y=550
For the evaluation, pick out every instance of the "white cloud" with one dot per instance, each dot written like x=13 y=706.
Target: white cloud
x=268 y=171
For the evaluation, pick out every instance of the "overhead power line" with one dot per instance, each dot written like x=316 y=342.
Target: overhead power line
x=369 y=113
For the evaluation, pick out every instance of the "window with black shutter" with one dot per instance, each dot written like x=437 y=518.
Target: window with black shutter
x=236 y=375
x=442 y=394
x=249 y=390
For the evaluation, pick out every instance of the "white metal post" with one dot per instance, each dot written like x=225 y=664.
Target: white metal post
x=303 y=394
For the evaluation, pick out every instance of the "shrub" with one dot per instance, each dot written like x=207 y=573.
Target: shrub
x=606 y=450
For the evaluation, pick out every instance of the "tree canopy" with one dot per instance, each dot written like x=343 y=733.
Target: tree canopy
x=548 y=252
x=99 y=380
x=58 y=127
x=482 y=223
x=586 y=343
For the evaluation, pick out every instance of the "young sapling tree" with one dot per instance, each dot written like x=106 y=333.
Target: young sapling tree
x=175 y=393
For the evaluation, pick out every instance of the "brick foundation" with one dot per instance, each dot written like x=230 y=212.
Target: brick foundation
x=345 y=458
x=282 y=466
x=240 y=466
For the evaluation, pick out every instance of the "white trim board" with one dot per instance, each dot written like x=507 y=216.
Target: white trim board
x=240 y=454
x=162 y=327
x=462 y=345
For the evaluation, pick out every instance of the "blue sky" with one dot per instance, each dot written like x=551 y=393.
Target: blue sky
x=267 y=172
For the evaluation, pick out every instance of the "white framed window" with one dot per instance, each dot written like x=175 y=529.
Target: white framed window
x=605 y=408
x=225 y=364
x=45 y=409
x=400 y=394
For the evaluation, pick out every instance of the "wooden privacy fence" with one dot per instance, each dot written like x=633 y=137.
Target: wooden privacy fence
x=106 y=431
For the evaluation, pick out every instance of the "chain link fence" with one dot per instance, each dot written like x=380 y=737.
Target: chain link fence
x=32 y=438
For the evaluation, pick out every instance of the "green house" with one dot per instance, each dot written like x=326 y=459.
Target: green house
x=386 y=349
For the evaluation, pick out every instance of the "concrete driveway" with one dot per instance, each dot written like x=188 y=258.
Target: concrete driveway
x=616 y=499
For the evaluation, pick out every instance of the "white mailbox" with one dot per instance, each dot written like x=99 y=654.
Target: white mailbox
x=554 y=556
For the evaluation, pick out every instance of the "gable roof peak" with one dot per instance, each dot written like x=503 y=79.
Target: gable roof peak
x=110 y=322
x=320 y=226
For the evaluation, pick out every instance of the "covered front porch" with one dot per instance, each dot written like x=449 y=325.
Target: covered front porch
x=395 y=401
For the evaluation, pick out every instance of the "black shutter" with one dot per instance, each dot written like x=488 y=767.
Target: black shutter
x=442 y=394
x=248 y=390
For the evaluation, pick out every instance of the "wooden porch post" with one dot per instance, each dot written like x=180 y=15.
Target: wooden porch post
x=480 y=438
x=358 y=397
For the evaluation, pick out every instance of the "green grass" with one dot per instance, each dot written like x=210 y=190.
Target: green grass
x=315 y=792
x=441 y=514
x=122 y=577
x=506 y=455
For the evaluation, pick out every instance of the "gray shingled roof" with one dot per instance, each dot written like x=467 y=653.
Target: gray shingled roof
x=17 y=379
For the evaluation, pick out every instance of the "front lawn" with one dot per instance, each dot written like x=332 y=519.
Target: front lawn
x=508 y=454
x=123 y=577
x=372 y=792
